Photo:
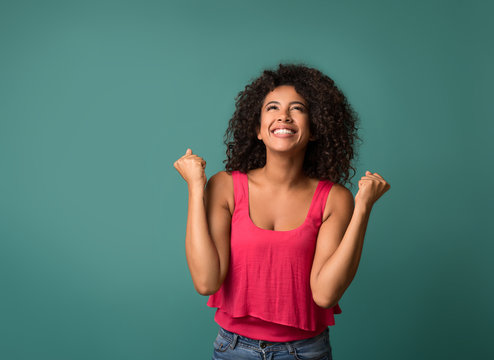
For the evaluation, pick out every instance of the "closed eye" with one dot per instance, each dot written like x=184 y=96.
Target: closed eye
x=295 y=107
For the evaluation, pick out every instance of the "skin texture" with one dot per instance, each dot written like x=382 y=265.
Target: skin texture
x=279 y=197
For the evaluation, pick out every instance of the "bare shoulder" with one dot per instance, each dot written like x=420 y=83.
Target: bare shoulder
x=340 y=199
x=220 y=185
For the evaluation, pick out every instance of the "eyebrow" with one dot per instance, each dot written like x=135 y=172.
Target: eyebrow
x=292 y=102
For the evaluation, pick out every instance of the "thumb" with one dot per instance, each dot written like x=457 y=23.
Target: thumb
x=188 y=152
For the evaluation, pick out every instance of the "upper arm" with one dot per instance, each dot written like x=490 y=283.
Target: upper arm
x=340 y=205
x=216 y=196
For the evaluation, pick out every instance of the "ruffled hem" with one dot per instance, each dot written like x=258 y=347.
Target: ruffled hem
x=336 y=309
x=321 y=316
x=256 y=328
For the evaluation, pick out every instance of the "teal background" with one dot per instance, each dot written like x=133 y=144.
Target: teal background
x=99 y=98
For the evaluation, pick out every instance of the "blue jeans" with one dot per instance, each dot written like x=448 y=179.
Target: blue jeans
x=229 y=345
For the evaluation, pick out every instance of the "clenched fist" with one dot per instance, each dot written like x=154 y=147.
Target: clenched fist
x=191 y=167
x=371 y=187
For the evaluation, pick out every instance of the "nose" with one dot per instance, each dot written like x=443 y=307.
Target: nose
x=284 y=116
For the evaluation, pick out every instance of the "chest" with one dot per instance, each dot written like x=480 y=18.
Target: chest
x=277 y=211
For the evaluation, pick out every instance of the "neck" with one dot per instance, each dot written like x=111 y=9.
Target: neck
x=282 y=170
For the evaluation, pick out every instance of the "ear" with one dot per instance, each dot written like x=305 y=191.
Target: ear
x=258 y=128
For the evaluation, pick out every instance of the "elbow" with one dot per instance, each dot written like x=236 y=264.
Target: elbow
x=205 y=292
x=208 y=285
x=325 y=301
x=206 y=289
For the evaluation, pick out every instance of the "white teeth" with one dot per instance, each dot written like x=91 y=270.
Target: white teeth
x=284 y=131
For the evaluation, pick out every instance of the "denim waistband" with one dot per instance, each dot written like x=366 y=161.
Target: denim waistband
x=273 y=345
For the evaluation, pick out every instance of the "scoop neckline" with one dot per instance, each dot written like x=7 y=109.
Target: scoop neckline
x=319 y=182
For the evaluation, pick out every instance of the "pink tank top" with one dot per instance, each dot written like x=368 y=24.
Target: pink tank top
x=266 y=294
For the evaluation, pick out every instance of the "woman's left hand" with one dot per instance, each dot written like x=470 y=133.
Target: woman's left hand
x=371 y=187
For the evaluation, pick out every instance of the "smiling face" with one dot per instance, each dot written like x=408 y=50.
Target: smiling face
x=284 y=108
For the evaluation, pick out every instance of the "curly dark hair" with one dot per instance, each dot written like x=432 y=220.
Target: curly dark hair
x=333 y=123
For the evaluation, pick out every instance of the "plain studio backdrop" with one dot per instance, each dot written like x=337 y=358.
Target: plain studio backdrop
x=99 y=98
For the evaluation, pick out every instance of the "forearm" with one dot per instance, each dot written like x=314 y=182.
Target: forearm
x=339 y=270
x=202 y=255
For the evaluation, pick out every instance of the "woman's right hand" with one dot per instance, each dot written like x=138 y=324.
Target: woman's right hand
x=191 y=168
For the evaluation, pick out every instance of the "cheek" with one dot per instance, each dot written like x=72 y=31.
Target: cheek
x=307 y=124
x=264 y=126
x=261 y=128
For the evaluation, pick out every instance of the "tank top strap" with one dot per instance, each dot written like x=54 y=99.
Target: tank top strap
x=320 y=199
x=239 y=188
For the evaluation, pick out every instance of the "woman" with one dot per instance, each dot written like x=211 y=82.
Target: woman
x=276 y=238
